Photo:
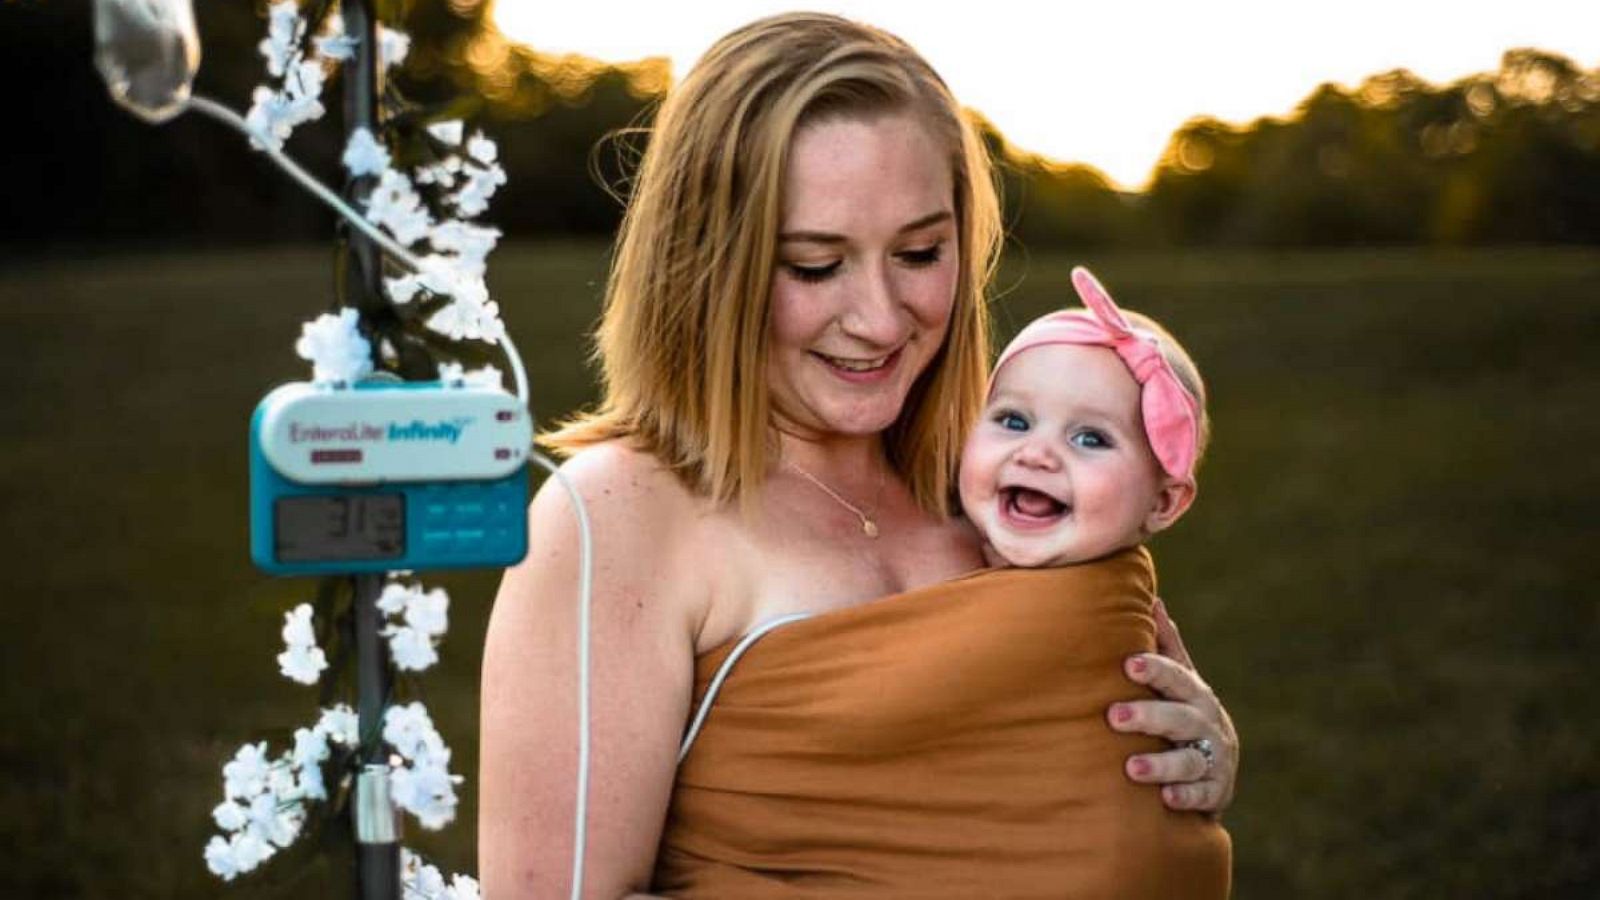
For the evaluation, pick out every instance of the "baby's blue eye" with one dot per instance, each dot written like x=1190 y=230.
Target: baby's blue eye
x=1091 y=439
x=1011 y=421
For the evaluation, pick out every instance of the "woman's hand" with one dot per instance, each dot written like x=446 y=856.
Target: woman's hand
x=1188 y=714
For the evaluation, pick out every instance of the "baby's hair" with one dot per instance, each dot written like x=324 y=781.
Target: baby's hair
x=1188 y=373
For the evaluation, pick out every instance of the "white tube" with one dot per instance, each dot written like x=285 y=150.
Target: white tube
x=585 y=582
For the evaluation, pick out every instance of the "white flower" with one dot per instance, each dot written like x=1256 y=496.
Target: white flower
x=473 y=197
x=428 y=613
x=333 y=43
x=448 y=131
x=412 y=650
x=280 y=784
x=467 y=321
x=471 y=243
x=341 y=724
x=404 y=289
x=272 y=823
x=482 y=149
x=302 y=663
x=335 y=347
x=283 y=28
x=311 y=786
x=220 y=858
x=456 y=374
x=409 y=730
x=426 y=791
x=394 y=204
x=297 y=627
x=463 y=887
x=246 y=774
x=392 y=47
x=310 y=747
x=393 y=599
x=230 y=816
x=364 y=155
x=442 y=175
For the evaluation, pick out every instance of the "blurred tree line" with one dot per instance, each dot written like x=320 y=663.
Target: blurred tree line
x=1507 y=156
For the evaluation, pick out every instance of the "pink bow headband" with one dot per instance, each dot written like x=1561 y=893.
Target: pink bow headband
x=1171 y=413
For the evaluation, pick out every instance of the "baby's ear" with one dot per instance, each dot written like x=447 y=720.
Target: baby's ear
x=1172 y=500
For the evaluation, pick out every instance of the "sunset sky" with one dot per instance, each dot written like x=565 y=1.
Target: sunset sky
x=1107 y=83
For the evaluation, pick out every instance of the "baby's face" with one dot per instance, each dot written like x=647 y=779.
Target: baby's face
x=1059 y=469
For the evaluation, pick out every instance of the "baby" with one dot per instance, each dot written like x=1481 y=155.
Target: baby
x=1089 y=439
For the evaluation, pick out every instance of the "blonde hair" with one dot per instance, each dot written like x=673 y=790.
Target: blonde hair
x=1188 y=375
x=682 y=342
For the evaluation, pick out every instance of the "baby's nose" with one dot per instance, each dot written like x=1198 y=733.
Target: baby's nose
x=1038 y=454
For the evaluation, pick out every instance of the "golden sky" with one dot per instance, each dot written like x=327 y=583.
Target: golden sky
x=1107 y=82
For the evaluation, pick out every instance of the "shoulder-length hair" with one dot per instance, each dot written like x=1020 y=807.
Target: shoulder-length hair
x=682 y=343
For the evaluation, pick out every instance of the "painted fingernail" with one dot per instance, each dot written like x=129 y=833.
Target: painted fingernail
x=1138 y=665
x=1140 y=766
x=1121 y=713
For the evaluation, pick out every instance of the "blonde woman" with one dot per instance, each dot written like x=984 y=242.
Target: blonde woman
x=794 y=345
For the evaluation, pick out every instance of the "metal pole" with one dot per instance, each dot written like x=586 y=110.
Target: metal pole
x=374 y=820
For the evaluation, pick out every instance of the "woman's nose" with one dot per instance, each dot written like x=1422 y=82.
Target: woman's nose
x=875 y=313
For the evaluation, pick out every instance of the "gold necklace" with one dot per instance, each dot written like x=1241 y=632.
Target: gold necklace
x=868 y=527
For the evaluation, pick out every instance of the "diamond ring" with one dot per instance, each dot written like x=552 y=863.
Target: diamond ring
x=1207 y=751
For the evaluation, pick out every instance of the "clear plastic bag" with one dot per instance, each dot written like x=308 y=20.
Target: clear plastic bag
x=148 y=53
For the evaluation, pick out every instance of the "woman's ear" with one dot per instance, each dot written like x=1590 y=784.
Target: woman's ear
x=1171 y=502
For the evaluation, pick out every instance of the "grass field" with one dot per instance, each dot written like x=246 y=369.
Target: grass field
x=1389 y=577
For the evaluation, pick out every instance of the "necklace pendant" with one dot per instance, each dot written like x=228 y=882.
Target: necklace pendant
x=869 y=527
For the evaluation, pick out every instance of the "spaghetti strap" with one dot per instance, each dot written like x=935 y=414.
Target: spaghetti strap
x=722 y=673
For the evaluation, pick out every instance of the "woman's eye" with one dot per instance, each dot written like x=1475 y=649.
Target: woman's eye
x=1091 y=439
x=813 y=273
x=926 y=256
x=1011 y=421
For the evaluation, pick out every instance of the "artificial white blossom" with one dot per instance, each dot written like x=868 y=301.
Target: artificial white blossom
x=273 y=821
x=230 y=816
x=448 y=131
x=364 y=155
x=231 y=857
x=392 y=47
x=283 y=34
x=335 y=347
x=470 y=244
x=404 y=289
x=411 y=650
x=394 y=204
x=302 y=663
x=442 y=174
x=482 y=149
x=426 y=790
x=246 y=774
x=409 y=730
x=463 y=320
x=341 y=724
x=455 y=374
x=334 y=44
x=473 y=197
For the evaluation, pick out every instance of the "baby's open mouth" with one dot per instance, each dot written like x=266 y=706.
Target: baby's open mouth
x=1028 y=506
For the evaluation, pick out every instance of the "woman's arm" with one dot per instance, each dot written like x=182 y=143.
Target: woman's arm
x=642 y=650
x=1190 y=712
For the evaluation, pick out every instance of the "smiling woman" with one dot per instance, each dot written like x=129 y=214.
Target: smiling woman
x=794 y=345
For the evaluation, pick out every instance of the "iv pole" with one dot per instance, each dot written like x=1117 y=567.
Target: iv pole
x=376 y=823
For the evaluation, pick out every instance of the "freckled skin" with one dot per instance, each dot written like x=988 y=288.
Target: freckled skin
x=883 y=291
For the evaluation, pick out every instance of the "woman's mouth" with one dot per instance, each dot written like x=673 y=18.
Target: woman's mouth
x=1026 y=508
x=860 y=369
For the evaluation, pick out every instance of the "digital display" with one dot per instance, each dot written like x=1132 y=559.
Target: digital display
x=357 y=527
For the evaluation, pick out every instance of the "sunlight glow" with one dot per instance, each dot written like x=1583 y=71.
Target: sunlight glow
x=1104 y=83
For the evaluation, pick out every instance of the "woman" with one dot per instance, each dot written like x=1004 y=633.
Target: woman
x=794 y=344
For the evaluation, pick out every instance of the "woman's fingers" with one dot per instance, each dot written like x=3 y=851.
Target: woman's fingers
x=1200 y=796
x=1176 y=766
x=1174 y=721
x=1170 y=678
x=1168 y=641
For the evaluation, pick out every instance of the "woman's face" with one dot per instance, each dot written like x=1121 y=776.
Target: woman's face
x=866 y=270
